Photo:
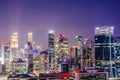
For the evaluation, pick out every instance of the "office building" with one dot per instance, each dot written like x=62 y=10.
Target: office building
x=36 y=62
x=6 y=55
x=104 y=49
x=88 y=53
x=30 y=37
x=117 y=54
x=14 y=47
x=79 y=52
x=61 y=51
x=63 y=47
x=19 y=66
x=51 y=41
x=44 y=61
x=14 y=40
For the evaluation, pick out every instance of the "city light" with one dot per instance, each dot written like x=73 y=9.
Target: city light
x=97 y=28
x=59 y=40
x=59 y=57
x=51 y=31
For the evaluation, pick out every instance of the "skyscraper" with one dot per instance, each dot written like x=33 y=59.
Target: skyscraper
x=88 y=53
x=5 y=57
x=61 y=52
x=30 y=37
x=79 y=52
x=51 y=41
x=63 y=47
x=14 y=46
x=104 y=49
x=79 y=44
x=14 y=40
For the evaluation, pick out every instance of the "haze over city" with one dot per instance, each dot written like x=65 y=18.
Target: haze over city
x=78 y=17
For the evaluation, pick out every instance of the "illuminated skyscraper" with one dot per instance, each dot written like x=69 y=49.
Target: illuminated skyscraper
x=30 y=37
x=61 y=52
x=44 y=61
x=14 y=47
x=63 y=47
x=51 y=53
x=5 y=56
x=88 y=53
x=51 y=39
x=19 y=66
x=79 y=44
x=79 y=51
x=104 y=49
x=14 y=40
x=79 y=41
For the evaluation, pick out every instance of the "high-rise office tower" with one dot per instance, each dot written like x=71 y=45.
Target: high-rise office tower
x=30 y=37
x=104 y=49
x=63 y=47
x=88 y=53
x=51 y=41
x=14 y=40
x=44 y=63
x=79 y=52
x=79 y=41
x=14 y=46
x=61 y=52
x=5 y=52
x=117 y=54
x=36 y=62
x=57 y=55
x=5 y=56
x=19 y=66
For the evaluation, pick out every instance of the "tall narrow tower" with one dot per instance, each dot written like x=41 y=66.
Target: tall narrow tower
x=14 y=46
x=14 y=40
x=79 y=52
x=5 y=57
x=30 y=37
x=51 y=53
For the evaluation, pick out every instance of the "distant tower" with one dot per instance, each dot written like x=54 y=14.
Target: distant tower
x=88 y=52
x=14 y=47
x=30 y=37
x=14 y=40
x=79 y=40
x=5 y=56
x=51 y=41
x=79 y=44
x=63 y=47
x=79 y=48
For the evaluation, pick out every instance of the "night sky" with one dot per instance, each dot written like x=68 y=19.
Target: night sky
x=70 y=17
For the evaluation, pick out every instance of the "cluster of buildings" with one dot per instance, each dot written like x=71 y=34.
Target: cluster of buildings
x=86 y=57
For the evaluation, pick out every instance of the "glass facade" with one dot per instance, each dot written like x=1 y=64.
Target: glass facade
x=103 y=53
x=105 y=50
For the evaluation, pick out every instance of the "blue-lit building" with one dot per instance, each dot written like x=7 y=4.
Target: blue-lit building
x=36 y=62
x=117 y=52
x=104 y=49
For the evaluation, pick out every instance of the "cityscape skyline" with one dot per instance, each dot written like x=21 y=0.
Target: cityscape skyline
x=68 y=17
